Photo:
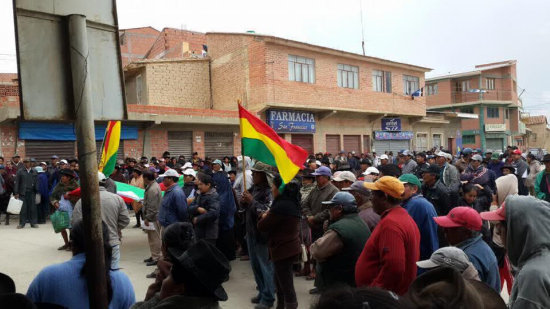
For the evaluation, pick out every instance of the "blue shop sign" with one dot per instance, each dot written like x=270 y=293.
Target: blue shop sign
x=385 y=135
x=391 y=124
x=290 y=121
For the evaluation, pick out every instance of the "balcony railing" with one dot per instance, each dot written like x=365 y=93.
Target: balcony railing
x=489 y=95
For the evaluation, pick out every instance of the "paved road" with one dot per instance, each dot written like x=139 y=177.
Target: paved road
x=25 y=252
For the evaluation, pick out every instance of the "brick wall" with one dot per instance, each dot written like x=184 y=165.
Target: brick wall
x=8 y=138
x=158 y=139
x=248 y=68
x=135 y=43
x=134 y=148
x=179 y=84
x=169 y=43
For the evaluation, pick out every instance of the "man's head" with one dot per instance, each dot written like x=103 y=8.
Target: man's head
x=170 y=178
x=495 y=157
x=341 y=203
x=384 y=159
x=66 y=175
x=16 y=159
x=466 y=153
x=54 y=159
x=440 y=158
x=27 y=163
x=189 y=175
x=516 y=154
x=476 y=161
x=205 y=182
x=261 y=174
x=460 y=224
x=162 y=163
x=345 y=179
x=371 y=174
x=431 y=174
x=387 y=192
x=131 y=162
x=322 y=176
x=421 y=157
x=508 y=169
x=365 y=163
x=546 y=161
x=389 y=170
x=232 y=175
x=136 y=173
x=307 y=177
x=411 y=184
x=217 y=165
x=358 y=190
x=148 y=177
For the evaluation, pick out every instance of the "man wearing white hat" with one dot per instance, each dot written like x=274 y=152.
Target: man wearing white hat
x=174 y=204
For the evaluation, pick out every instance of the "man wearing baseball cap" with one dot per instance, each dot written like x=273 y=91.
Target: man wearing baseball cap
x=462 y=227
x=523 y=225
x=174 y=205
x=384 y=159
x=312 y=207
x=449 y=175
x=389 y=258
x=422 y=213
x=521 y=171
x=338 y=249
x=435 y=191
x=364 y=204
x=344 y=179
x=476 y=173
x=409 y=164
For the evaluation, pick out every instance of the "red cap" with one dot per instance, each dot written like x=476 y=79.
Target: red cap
x=462 y=216
x=516 y=151
x=495 y=215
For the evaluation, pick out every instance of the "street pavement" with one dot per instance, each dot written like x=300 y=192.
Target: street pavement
x=25 y=252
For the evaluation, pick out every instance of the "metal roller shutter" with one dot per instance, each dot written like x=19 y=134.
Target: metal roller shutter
x=43 y=150
x=494 y=144
x=119 y=155
x=218 y=144
x=352 y=143
x=333 y=144
x=180 y=143
x=303 y=140
x=390 y=145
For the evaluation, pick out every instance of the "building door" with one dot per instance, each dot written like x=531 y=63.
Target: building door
x=436 y=139
x=352 y=143
x=44 y=150
x=390 y=145
x=421 y=142
x=333 y=144
x=303 y=140
x=218 y=144
x=450 y=145
x=494 y=144
x=180 y=143
x=119 y=154
x=366 y=143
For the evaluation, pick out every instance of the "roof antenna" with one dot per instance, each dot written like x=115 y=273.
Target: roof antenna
x=362 y=27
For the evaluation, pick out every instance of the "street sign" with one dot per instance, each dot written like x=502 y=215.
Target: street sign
x=44 y=64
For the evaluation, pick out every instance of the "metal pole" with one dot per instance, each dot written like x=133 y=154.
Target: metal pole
x=84 y=124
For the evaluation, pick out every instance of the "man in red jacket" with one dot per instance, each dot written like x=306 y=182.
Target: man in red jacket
x=389 y=258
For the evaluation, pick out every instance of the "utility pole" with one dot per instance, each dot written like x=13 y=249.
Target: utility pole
x=85 y=133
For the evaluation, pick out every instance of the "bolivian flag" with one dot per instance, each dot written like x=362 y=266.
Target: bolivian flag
x=110 y=148
x=259 y=141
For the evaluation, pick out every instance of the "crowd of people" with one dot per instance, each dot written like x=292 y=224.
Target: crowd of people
x=414 y=230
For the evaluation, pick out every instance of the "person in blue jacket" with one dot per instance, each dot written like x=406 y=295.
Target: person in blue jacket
x=422 y=212
x=228 y=207
x=174 y=202
x=44 y=191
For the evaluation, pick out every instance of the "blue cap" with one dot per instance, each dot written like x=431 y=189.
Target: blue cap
x=467 y=151
x=322 y=171
x=342 y=198
x=217 y=161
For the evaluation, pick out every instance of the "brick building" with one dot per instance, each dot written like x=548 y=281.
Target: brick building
x=179 y=99
x=490 y=91
x=539 y=132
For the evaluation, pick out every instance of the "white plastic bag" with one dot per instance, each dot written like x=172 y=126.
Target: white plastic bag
x=14 y=207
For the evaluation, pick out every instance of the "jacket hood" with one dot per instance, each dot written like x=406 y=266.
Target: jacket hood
x=528 y=228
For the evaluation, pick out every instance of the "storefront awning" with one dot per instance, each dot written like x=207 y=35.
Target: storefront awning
x=66 y=132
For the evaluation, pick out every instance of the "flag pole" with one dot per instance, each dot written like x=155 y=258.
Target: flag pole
x=242 y=148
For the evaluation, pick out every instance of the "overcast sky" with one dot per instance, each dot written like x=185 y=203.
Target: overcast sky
x=448 y=36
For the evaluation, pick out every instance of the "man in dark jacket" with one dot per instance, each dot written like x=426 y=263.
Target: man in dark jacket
x=338 y=249
x=256 y=201
x=7 y=187
x=174 y=205
x=226 y=237
x=421 y=164
x=25 y=188
x=434 y=190
x=521 y=171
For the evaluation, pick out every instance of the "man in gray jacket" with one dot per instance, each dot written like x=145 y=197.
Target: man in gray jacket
x=113 y=212
x=151 y=204
x=25 y=188
x=523 y=226
x=409 y=164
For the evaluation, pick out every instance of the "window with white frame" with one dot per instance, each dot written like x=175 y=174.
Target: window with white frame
x=421 y=141
x=490 y=84
x=410 y=84
x=432 y=89
x=348 y=76
x=436 y=139
x=301 y=69
x=465 y=85
x=381 y=81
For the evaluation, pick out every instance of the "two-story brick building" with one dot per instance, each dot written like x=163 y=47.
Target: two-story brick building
x=490 y=91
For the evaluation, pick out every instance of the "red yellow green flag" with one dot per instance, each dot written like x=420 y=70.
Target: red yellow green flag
x=110 y=148
x=259 y=141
